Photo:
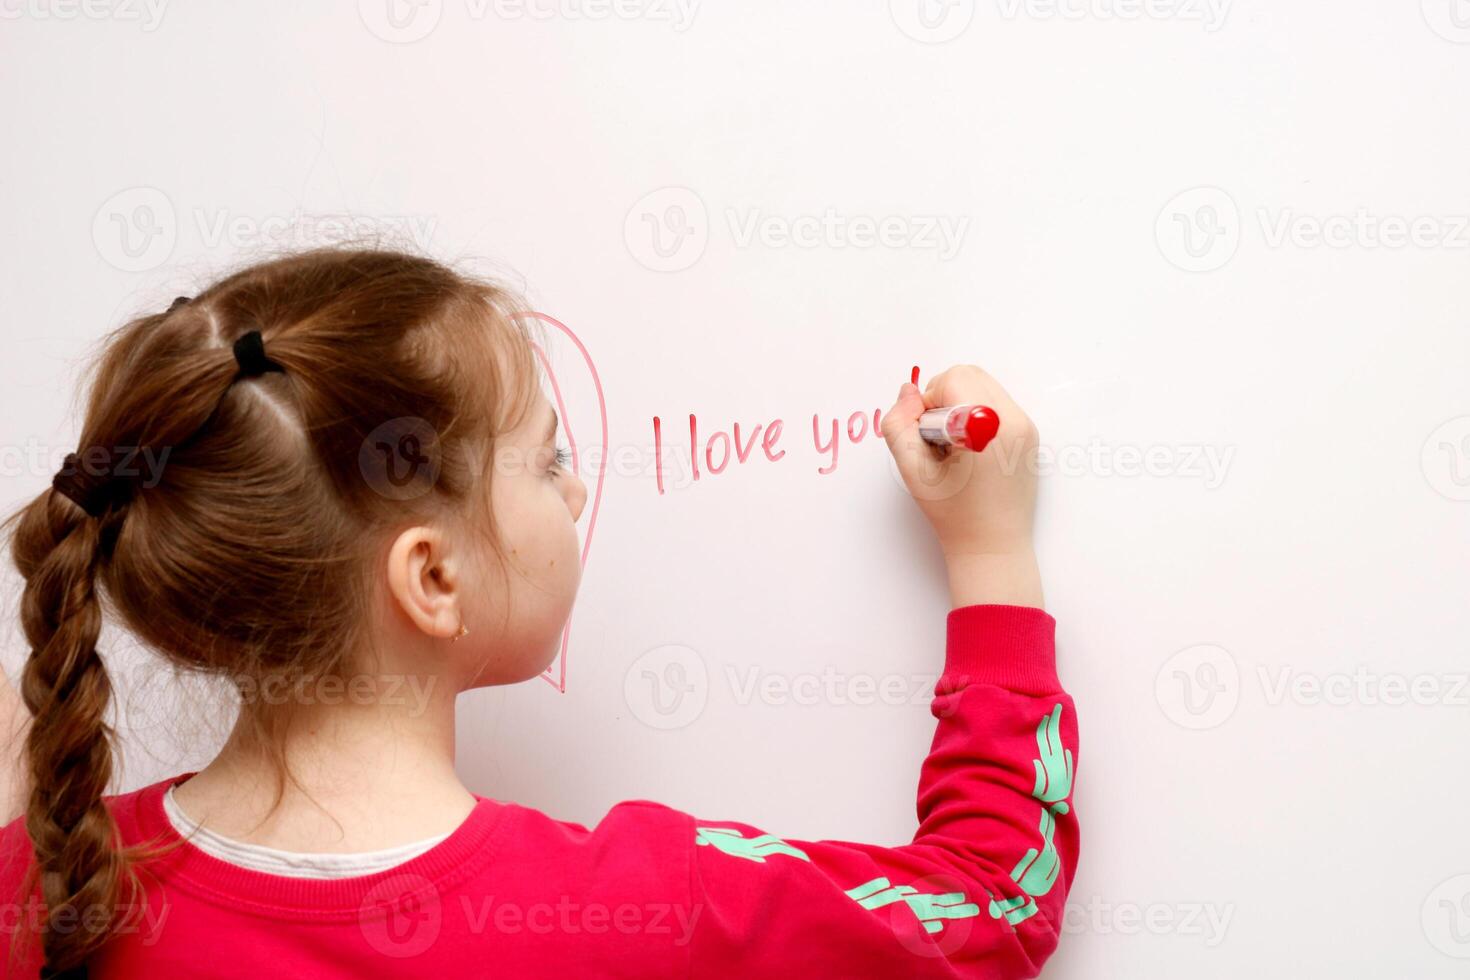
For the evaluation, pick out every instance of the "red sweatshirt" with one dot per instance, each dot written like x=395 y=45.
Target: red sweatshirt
x=652 y=892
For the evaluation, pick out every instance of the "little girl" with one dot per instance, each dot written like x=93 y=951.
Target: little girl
x=332 y=481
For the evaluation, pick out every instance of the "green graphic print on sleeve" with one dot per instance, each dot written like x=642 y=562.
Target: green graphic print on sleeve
x=751 y=848
x=1038 y=871
x=1054 y=767
x=931 y=909
x=1034 y=874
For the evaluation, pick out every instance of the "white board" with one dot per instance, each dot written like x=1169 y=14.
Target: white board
x=1223 y=241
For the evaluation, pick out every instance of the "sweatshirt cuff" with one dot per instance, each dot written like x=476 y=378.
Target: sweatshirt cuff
x=1013 y=647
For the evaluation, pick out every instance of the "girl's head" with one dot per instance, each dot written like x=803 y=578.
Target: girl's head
x=370 y=489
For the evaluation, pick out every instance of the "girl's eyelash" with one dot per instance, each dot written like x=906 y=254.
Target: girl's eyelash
x=563 y=458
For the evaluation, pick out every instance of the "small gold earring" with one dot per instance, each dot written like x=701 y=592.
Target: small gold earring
x=463 y=631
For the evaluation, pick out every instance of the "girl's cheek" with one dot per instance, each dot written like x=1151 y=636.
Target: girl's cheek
x=571 y=556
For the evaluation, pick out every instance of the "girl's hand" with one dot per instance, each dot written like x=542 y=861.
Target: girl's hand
x=981 y=505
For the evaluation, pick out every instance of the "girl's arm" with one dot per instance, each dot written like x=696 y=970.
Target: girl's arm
x=981 y=889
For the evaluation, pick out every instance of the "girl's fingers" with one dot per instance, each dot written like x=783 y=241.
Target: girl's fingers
x=933 y=389
x=905 y=412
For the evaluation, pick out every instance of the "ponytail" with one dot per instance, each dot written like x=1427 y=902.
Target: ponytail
x=249 y=557
x=68 y=749
x=62 y=543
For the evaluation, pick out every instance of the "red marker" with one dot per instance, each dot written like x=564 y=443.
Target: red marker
x=966 y=426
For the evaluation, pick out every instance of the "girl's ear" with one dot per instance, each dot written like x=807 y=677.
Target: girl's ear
x=423 y=578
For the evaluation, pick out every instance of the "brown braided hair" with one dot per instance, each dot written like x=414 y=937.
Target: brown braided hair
x=249 y=553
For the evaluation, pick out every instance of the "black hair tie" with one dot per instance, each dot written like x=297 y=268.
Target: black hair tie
x=93 y=492
x=178 y=302
x=250 y=355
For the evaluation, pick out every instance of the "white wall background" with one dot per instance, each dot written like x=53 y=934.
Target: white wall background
x=1230 y=824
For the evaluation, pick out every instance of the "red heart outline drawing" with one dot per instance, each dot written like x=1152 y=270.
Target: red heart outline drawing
x=559 y=680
